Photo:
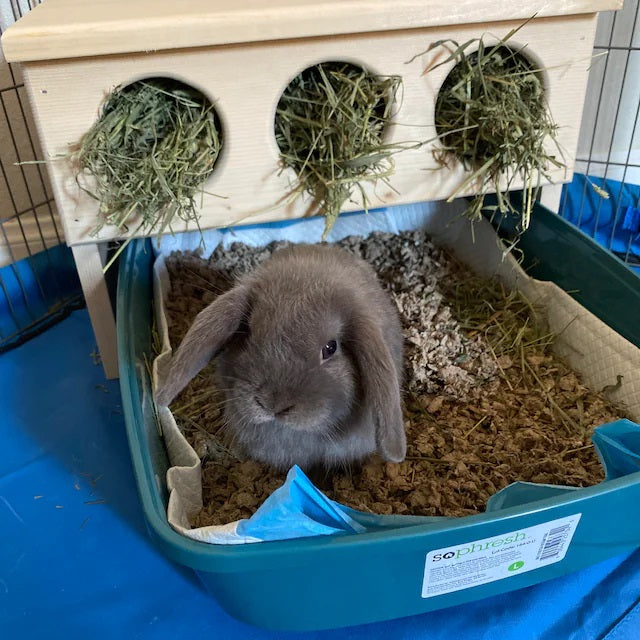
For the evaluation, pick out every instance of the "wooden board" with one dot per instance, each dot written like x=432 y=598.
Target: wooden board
x=90 y=259
x=245 y=83
x=75 y=28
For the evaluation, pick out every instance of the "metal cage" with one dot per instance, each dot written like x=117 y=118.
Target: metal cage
x=609 y=148
x=38 y=281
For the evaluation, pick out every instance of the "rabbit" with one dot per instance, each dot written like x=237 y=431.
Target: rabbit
x=309 y=353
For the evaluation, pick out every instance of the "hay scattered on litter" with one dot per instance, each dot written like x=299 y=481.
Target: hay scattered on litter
x=147 y=155
x=486 y=401
x=329 y=126
x=493 y=117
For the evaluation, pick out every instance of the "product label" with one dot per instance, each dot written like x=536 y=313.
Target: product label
x=481 y=561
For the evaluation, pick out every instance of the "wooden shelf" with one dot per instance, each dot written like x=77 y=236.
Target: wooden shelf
x=242 y=54
x=60 y=29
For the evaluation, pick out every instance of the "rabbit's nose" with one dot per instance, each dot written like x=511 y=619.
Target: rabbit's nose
x=279 y=408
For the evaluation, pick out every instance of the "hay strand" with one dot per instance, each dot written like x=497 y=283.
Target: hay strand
x=329 y=126
x=492 y=117
x=155 y=143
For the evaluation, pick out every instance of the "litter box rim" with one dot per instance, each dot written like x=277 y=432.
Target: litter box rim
x=132 y=292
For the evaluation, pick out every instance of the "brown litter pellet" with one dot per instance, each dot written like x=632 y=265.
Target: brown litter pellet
x=486 y=401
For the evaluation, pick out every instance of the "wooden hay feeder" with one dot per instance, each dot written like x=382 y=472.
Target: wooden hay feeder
x=242 y=56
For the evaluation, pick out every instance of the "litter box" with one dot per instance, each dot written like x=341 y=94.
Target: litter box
x=334 y=581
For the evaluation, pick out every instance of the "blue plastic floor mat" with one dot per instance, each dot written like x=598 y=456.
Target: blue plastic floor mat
x=75 y=560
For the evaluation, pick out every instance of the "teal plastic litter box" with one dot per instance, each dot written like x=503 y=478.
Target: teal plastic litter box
x=333 y=581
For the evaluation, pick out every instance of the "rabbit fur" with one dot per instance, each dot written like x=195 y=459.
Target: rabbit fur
x=289 y=398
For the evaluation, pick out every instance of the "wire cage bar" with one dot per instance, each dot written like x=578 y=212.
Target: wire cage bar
x=38 y=282
x=609 y=148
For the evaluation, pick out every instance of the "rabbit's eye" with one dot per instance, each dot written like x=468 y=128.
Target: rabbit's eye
x=329 y=349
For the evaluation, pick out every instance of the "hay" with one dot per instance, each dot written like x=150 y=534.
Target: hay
x=492 y=116
x=486 y=402
x=149 y=152
x=329 y=126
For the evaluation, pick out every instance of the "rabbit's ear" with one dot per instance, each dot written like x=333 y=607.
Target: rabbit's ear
x=381 y=387
x=210 y=331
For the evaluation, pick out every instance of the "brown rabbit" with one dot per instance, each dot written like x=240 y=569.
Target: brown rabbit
x=308 y=352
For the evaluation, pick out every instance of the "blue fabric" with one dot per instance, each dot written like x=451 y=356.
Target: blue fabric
x=614 y=222
x=34 y=287
x=88 y=569
x=631 y=220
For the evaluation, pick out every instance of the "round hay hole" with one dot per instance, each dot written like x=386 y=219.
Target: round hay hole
x=155 y=143
x=492 y=116
x=329 y=126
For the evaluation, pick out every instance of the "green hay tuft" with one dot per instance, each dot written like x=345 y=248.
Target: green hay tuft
x=329 y=126
x=154 y=144
x=492 y=116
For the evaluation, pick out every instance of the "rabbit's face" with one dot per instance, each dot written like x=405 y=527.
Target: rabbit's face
x=289 y=363
x=308 y=353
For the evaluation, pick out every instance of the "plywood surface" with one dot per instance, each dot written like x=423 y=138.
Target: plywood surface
x=74 y=28
x=245 y=83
